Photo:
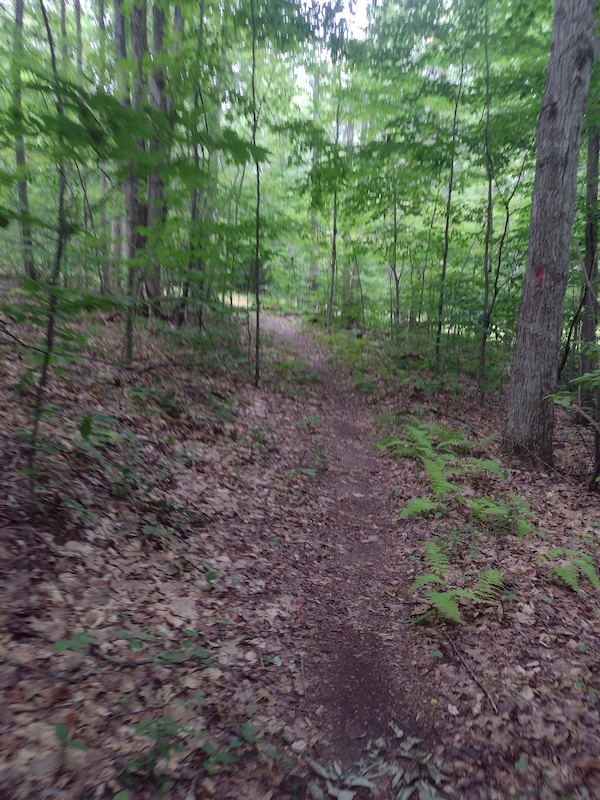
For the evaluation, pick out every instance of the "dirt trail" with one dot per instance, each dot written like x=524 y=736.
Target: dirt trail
x=363 y=668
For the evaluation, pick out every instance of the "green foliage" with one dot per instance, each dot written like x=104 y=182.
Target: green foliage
x=505 y=515
x=79 y=643
x=435 y=470
x=574 y=566
x=416 y=506
x=436 y=558
x=489 y=586
x=63 y=737
x=444 y=604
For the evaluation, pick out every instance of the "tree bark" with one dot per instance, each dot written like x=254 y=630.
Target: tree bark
x=530 y=417
x=156 y=187
x=313 y=280
x=589 y=359
x=29 y=266
x=446 y=244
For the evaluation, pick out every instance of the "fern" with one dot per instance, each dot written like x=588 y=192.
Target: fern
x=435 y=472
x=523 y=528
x=488 y=587
x=586 y=565
x=420 y=438
x=567 y=575
x=578 y=563
x=446 y=604
x=424 y=580
x=488 y=465
x=436 y=559
x=418 y=505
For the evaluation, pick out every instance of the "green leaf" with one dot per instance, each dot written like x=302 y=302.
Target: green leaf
x=424 y=580
x=435 y=472
x=418 y=505
x=124 y=795
x=62 y=733
x=587 y=567
x=436 y=559
x=80 y=642
x=75 y=744
x=85 y=428
x=446 y=604
x=568 y=575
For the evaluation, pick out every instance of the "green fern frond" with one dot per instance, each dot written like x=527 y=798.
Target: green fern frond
x=488 y=587
x=436 y=559
x=420 y=438
x=418 y=505
x=568 y=575
x=553 y=552
x=424 y=580
x=486 y=507
x=523 y=528
x=488 y=465
x=437 y=478
x=446 y=604
x=586 y=565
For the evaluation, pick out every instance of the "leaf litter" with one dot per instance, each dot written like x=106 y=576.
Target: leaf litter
x=216 y=605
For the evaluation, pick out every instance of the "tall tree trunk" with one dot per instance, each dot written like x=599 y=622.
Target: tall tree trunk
x=107 y=263
x=333 y=263
x=446 y=244
x=530 y=418
x=313 y=273
x=257 y=231
x=394 y=265
x=486 y=311
x=156 y=187
x=78 y=38
x=29 y=266
x=589 y=356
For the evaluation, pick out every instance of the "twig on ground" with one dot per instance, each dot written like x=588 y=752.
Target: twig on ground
x=303 y=703
x=472 y=675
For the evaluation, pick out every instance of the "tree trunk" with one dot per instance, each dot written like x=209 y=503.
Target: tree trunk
x=446 y=245
x=313 y=272
x=156 y=186
x=333 y=264
x=29 y=266
x=589 y=358
x=486 y=311
x=530 y=418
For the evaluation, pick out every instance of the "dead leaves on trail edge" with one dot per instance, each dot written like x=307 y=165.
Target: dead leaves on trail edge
x=148 y=609
x=161 y=607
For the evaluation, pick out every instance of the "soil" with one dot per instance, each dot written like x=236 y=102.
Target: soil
x=364 y=669
x=241 y=585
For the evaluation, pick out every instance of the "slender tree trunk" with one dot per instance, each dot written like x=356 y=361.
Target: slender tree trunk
x=446 y=245
x=333 y=264
x=486 y=311
x=157 y=211
x=53 y=283
x=589 y=356
x=135 y=208
x=314 y=217
x=394 y=265
x=29 y=266
x=530 y=418
x=78 y=38
x=256 y=268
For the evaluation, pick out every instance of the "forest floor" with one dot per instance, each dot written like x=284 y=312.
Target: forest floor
x=210 y=598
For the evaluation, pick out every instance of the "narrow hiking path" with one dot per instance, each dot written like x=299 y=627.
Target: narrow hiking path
x=216 y=607
x=365 y=671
